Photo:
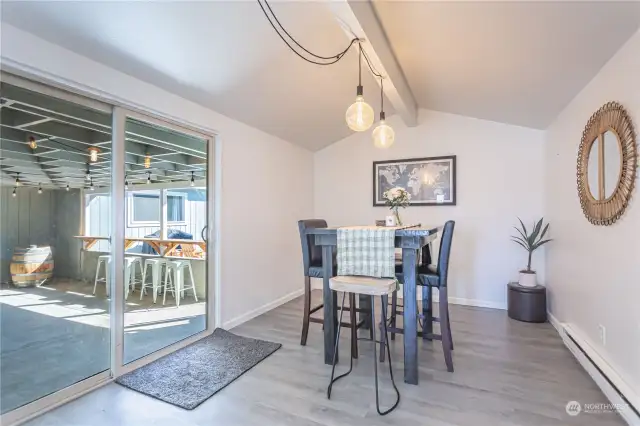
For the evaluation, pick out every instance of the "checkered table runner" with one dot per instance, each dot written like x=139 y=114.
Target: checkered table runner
x=367 y=251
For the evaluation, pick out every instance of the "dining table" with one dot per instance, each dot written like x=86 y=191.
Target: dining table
x=411 y=241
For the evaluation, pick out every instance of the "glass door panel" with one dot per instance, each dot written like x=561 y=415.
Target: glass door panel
x=166 y=212
x=55 y=163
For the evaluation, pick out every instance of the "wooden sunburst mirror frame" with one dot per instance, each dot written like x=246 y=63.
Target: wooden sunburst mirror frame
x=607 y=210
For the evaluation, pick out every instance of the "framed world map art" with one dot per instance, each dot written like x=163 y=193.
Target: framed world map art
x=430 y=181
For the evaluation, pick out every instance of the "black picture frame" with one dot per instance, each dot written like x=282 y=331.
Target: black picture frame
x=454 y=170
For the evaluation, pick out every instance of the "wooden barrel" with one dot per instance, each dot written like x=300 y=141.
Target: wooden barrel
x=31 y=266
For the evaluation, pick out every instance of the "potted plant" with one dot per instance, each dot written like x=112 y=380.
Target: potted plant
x=395 y=198
x=530 y=242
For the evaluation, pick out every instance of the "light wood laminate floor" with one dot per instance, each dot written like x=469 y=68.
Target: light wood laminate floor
x=507 y=373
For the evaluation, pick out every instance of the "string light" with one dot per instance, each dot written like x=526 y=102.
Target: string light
x=93 y=153
x=193 y=181
x=32 y=142
x=147 y=158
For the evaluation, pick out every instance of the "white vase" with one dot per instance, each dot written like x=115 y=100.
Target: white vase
x=390 y=220
x=528 y=279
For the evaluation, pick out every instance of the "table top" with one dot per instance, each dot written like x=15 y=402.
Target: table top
x=405 y=232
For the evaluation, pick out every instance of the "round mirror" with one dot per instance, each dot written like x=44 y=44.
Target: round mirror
x=604 y=165
x=607 y=161
x=592 y=170
x=612 y=163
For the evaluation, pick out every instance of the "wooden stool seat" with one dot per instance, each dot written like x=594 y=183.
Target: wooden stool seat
x=369 y=286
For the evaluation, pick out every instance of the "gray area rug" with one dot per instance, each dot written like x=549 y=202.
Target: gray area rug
x=191 y=375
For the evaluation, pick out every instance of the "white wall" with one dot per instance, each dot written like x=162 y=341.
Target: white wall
x=260 y=245
x=500 y=177
x=593 y=271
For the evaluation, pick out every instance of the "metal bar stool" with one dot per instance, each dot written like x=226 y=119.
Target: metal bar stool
x=368 y=286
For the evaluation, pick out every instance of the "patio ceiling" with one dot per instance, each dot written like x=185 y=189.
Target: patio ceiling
x=65 y=131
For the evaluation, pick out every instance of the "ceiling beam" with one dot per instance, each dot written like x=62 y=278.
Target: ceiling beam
x=358 y=19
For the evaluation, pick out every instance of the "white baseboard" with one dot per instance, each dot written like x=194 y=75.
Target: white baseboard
x=227 y=325
x=477 y=303
x=607 y=379
x=555 y=323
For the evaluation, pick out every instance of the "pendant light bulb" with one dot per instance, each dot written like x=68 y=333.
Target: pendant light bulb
x=383 y=135
x=126 y=184
x=93 y=154
x=39 y=189
x=359 y=115
x=17 y=179
x=148 y=178
x=91 y=185
x=87 y=175
x=193 y=181
x=67 y=188
x=32 y=142
x=14 y=193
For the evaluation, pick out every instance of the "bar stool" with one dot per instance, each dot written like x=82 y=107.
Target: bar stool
x=156 y=265
x=106 y=261
x=130 y=263
x=368 y=286
x=176 y=284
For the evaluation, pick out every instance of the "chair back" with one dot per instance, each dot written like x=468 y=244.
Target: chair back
x=445 y=252
x=311 y=254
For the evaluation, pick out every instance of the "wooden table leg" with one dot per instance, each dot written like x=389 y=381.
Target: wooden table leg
x=409 y=258
x=330 y=303
x=364 y=302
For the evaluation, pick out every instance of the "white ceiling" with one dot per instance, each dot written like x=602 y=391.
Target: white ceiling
x=517 y=63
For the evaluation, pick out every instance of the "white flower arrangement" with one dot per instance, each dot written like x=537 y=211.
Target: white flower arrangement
x=395 y=198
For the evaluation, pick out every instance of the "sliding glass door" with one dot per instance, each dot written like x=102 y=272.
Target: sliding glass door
x=105 y=242
x=165 y=236
x=55 y=312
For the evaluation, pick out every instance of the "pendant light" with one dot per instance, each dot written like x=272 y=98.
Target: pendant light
x=91 y=185
x=14 y=194
x=147 y=158
x=87 y=175
x=148 y=178
x=126 y=183
x=39 y=188
x=17 y=179
x=359 y=115
x=67 y=188
x=31 y=141
x=93 y=153
x=193 y=181
x=383 y=135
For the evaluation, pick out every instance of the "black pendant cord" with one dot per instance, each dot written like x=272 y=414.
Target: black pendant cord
x=332 y=59
x=359 y=64
x=371 y=68
x=382 y=116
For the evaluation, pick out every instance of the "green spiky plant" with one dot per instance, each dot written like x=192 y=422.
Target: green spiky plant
x=531 y=241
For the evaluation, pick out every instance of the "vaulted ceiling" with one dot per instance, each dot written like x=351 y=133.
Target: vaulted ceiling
x=516 y=62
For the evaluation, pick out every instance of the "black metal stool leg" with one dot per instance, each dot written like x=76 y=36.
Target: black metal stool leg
x=383 y=336
x=393 y=382
x=335 y=353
